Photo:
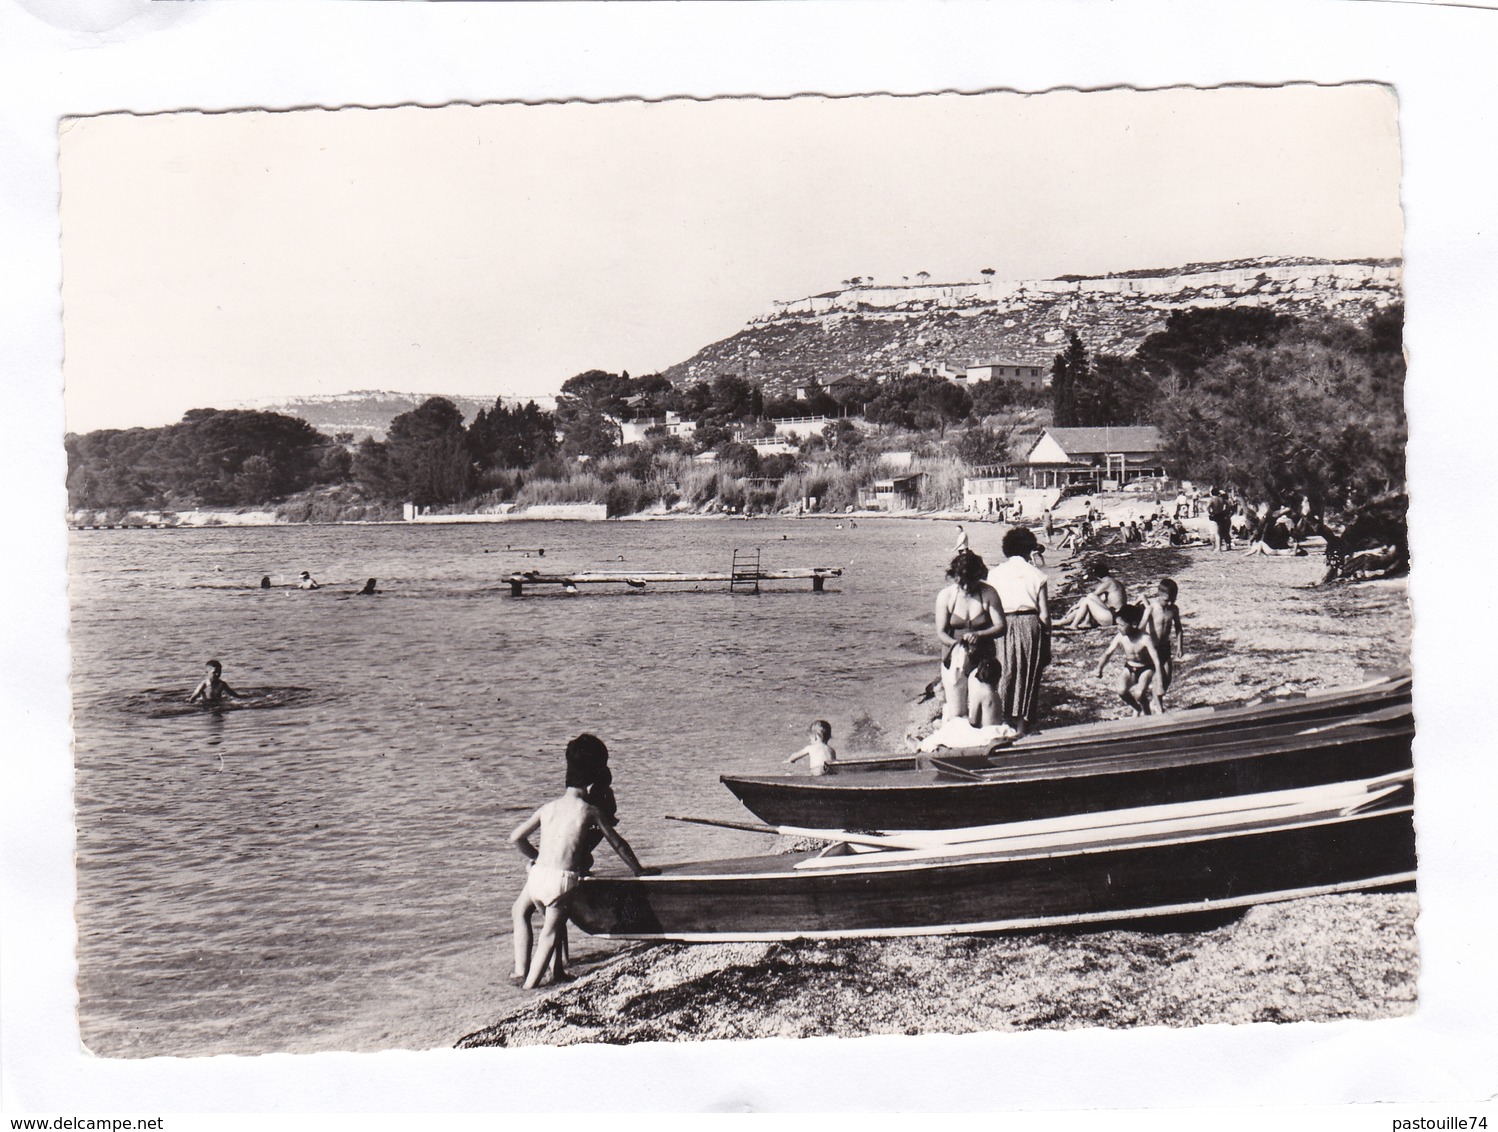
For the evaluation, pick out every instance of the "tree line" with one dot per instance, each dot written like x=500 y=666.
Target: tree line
x=1262 y=402
x=1268 y=404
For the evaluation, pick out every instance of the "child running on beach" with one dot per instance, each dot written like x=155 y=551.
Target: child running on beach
x=1136 y=686
x=1161 y=615
x=820 y=757
x=570 y=826
x=213 y=688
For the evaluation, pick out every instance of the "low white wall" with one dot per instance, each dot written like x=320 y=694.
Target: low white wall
x=587 y=511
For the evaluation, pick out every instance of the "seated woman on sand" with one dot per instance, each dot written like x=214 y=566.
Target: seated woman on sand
x=1275 y=535
x=968 y=619
x=1101 y=606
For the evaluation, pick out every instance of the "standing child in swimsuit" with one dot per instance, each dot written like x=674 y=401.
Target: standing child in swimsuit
x=1161 y=615
x=821 y=758
x=1136 y=685
x=569 y=827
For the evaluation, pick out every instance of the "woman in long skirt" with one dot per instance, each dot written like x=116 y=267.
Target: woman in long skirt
x=1024 y=650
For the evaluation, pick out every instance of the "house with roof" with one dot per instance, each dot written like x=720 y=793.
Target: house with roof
x=839 y=385
x=639 y=429
x=935 y=369
x=898 y=493
x=1112 y=454
x=1032 y=375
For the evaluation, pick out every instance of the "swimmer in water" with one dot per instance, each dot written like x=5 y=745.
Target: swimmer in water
x=213 y=689
x=308 y=582
x=265 y=581
x=369 y=588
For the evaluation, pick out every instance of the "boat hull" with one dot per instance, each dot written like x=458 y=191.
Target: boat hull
x=767 y=898
x=1187 y=726
x=1082 y=779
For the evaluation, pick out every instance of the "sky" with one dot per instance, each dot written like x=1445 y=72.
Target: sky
x=215 y=259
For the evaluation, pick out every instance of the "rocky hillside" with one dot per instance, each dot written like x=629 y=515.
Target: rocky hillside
x=876 y=331
x=369 y=412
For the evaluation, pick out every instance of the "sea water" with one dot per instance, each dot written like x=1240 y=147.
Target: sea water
x=325 y=863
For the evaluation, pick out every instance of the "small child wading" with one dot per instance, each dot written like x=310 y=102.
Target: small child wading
x=570 y=827
x=213 y=688
x=820 y=757
x=1137 y=685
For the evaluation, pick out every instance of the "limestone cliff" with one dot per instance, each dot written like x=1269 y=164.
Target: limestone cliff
x=880 y=331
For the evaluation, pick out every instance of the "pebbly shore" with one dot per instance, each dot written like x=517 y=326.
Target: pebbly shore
x=1253 y=625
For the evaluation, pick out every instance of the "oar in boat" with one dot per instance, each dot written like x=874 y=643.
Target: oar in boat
x=747 y=827
x=846 y=837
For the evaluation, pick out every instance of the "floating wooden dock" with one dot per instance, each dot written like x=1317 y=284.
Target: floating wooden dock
x=639 y=579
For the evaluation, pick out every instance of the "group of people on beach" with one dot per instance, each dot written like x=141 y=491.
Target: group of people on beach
x=995 y=632
x=1144 y=636
x=1145 y=632
x=995 y=628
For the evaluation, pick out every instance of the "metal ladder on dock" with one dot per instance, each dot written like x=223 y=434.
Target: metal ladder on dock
x=745 y=571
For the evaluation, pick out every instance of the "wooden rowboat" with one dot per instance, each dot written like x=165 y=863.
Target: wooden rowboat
x=1150 y=861
x=1388 y=690
x=1118 y=771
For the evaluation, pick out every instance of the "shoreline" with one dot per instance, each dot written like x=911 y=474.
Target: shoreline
x=252 y=519
x=1317 y=959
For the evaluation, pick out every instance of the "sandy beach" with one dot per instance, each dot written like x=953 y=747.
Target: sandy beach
x=1253 y=625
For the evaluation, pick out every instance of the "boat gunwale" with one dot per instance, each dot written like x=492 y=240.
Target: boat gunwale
x=857 y=867
x=1183 y=722
x=1085 y=765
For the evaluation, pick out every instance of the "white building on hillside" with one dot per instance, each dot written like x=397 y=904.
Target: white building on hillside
x=1032 y=375
x=632 y=432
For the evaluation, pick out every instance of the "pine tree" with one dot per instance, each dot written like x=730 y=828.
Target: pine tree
x=1071 y=399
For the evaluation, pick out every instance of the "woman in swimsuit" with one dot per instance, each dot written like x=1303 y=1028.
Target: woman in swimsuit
x=968 y=620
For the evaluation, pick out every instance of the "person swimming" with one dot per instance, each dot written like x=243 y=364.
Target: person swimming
x=369 y=588
x=265 y=581
x=213 y=689
x=308 y=582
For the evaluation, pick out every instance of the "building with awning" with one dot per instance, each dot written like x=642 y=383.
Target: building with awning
x=985 y=488
x=1099 y=457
